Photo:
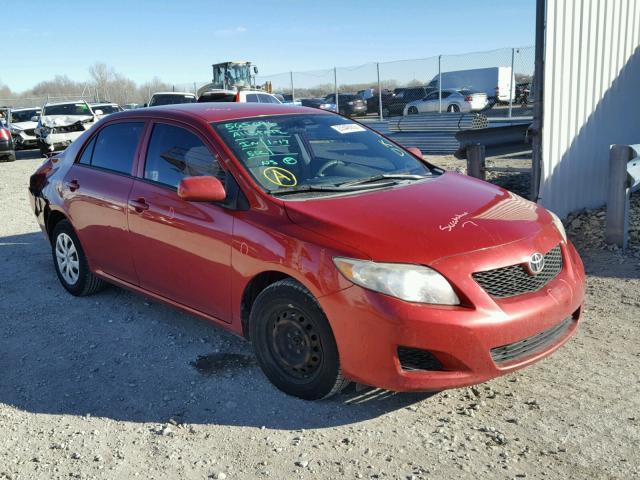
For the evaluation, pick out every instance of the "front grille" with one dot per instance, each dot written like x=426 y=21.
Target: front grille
x=515 y=279
x=530 y=345
x=30 y=132
x=417 y=359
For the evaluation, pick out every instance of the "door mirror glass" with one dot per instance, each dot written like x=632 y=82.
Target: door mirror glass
x=98 y=112
x=415 y=151
x=201 y=189
x=35 y=118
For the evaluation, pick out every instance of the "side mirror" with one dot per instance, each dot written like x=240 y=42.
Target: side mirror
x=201 y=189
x=415 y=151
x=98 y=112
x=35 y=118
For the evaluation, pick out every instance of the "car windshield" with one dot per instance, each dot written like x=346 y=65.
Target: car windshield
x=106 y=109
x=311 y=151
x=170 y=99
x=67 y=109
x=23 y=115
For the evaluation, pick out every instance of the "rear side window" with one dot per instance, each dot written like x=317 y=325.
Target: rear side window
x=85 y=158
x=114 y=147
x=175 y=153
x=252 y=98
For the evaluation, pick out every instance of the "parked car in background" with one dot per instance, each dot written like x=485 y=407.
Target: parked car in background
x=373 y=102
x=102 y=109
x=394 y=105
x=22 y=124
x=312 y=102
x=463 y=101
x=349 y=104
x=341 y=255
x=131 y=106
x=171 y=98
x=287 y=99
x=7 y=148
x=241 y=96
x=523 y=92
x=494 y=81
x=61 y=123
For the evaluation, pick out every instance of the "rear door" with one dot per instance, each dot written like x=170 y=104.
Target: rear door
x=96 y=190
x=182 y=250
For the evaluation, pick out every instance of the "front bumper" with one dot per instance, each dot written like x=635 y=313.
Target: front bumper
x=24 y=140
x=370 y=327
x=58 y=141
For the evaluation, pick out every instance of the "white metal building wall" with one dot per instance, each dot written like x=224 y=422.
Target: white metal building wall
x=591 y=97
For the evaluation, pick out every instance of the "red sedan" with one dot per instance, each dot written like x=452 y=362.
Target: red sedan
x=339 y=254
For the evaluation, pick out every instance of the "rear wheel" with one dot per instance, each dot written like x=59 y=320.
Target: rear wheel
x=412 y=110
x=453 y=108
x=294 y=343
x=71 y=263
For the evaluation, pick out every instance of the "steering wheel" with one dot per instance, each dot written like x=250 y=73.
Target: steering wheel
x=327 y=166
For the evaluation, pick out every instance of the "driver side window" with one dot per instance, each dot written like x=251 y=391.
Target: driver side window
x=175 y=153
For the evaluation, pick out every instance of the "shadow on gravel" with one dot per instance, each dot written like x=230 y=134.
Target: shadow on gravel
x=119 y=356
x=28 y=154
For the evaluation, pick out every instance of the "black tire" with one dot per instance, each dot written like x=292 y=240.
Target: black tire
x=294 y=343
x=9 y=158
x=453 y=108
x=386 y=112
x=87 y=283
x=412 y=111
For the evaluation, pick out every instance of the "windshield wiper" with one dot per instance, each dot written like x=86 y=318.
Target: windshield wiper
x=384 y=176
x=327 y=188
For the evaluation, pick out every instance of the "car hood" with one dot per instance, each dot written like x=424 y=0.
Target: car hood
x=24 y=125
x=425 y=221
x=64 y=120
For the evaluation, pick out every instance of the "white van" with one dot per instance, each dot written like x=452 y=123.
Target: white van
x=496 y=82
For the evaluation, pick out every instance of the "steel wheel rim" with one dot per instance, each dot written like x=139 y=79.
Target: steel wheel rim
x=67 y=259
x=295 y=344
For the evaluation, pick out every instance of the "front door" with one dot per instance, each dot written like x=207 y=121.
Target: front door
x=182 y=250
x=96 y=190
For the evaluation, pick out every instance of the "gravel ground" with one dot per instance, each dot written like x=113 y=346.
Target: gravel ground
x=115 y=386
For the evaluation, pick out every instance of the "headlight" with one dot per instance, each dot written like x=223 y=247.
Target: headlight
x=413 y=283
x=558 y=224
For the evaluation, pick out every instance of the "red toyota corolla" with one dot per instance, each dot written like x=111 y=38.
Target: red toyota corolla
x=339 y=254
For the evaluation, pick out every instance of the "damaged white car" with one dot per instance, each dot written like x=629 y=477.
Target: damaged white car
x=61 y=123
x=22 y=123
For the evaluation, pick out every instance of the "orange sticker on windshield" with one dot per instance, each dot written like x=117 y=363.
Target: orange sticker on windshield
x=280 y=177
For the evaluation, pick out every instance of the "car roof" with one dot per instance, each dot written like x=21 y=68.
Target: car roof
x=218 y=111
x=96 y=104
x=65 y=103
x=21 y=109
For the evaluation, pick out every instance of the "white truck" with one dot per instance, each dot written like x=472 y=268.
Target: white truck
x=496 y=82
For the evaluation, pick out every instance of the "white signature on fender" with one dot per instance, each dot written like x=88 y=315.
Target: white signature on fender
x=455 y=220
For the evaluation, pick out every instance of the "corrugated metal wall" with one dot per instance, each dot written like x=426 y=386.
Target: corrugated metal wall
x=591 y=97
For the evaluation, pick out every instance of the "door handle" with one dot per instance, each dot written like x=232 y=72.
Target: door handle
x=72 y=185
x=139 y=205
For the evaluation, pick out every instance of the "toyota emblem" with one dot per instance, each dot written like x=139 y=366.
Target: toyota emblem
x=536 y=263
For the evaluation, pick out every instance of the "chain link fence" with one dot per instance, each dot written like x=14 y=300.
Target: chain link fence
x=504 y=75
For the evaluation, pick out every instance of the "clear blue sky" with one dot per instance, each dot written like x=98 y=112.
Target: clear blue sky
x=179 y=40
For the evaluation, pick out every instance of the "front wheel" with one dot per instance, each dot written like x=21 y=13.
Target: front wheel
x=294 y=343
x=70 y=262
x=412 y=111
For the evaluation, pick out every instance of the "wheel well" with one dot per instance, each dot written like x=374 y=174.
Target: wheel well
x=51 y=219
x=251 y=292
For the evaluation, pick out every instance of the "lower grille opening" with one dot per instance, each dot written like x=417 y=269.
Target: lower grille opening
x=417 y=359
x=530 y=345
